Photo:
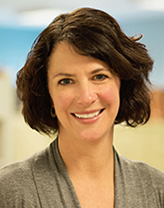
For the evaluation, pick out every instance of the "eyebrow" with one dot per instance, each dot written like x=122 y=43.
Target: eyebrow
x=99 y=70
x=63 y=74
x=72 y=75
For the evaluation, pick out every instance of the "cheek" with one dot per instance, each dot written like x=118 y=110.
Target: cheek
x=110 y=95
x=62 y=101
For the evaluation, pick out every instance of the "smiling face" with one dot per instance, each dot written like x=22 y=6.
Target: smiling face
x=85 y=94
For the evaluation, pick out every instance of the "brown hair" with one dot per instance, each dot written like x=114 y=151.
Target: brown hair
x=93 y=33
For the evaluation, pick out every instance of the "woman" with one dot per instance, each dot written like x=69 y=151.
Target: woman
x=82 y=76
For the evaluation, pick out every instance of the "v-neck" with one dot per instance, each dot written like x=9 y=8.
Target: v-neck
x=65 y=173
x=133 y=182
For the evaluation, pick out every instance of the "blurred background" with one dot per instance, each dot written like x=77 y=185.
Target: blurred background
x=22 y=21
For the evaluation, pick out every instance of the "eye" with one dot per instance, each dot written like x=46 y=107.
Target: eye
x=65 y=81
x=100 y=77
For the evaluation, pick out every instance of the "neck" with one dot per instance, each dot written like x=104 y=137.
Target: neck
x=94 y=158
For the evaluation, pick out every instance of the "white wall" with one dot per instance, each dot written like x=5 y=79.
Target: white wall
x=6 y=116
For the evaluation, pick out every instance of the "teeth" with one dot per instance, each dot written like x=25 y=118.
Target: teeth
x=90 y=115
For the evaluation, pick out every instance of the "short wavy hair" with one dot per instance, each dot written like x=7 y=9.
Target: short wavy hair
x=96 y=34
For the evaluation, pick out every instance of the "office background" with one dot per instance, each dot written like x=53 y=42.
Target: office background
x=21 y=22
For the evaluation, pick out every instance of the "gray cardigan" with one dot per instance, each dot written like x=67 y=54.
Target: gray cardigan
x=43 y=181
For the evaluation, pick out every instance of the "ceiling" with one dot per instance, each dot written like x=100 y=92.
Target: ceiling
x=20 y=5
x=41 y=12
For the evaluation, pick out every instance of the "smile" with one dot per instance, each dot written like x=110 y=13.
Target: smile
x=89 y=115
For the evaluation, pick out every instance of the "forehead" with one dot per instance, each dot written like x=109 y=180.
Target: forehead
x=64 y=55
x=62 y=50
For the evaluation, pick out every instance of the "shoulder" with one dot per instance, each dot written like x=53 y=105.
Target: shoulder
x=143 y=169
x=148 y=181
x=15 y=173
x=17 y=182
x=22 y=171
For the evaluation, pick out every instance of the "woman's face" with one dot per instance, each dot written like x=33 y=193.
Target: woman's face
x=84 y=92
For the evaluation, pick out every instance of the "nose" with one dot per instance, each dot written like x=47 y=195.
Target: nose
x=86 y=94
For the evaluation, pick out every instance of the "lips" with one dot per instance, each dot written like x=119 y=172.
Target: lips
x=87 y=115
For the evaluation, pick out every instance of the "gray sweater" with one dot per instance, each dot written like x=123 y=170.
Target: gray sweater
x=43 y=181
